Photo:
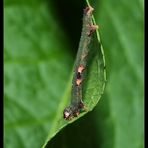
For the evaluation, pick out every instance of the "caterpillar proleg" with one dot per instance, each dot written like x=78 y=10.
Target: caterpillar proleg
x=88 y=29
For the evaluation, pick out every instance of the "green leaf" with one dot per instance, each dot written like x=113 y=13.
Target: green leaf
x=93 y=88
x=125 y=60
x=38 y=74
x=118 y=119
x=37 y=67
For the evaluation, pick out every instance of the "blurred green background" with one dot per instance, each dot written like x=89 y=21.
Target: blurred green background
x=40 y=44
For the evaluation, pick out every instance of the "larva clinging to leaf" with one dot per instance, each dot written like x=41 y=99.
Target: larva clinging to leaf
x=88 y=29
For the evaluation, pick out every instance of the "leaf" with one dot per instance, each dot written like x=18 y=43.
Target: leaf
x=37 y=66
x=93 y=87
x=38 y=74
x=125 y=60
x=118 y=119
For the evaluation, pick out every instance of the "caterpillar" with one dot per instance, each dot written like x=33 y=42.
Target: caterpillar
x=88 y=28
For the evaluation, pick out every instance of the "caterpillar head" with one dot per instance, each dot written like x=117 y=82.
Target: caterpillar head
x=71 y=112
x=68 y=113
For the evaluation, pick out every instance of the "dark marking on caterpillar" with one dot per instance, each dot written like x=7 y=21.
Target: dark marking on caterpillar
x=78 y=75
x=88 y=29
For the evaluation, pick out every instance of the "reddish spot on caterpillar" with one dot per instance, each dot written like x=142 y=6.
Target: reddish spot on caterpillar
x=78 y=81
x=77 y=114
x=80 y=69
x=88 y=10
x=92 y=29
